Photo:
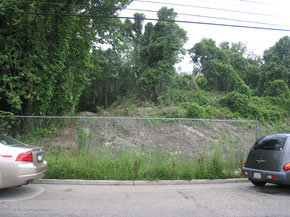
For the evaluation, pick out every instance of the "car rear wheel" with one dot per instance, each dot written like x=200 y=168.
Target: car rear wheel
x=258 y=183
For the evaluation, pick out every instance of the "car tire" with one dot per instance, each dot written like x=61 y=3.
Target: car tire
x=258 y=183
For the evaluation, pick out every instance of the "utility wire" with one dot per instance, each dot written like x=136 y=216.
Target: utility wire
x=153 y=2
x=47 y=3
x=209 y=17
x=152 y=11
x=242 y=1
x=83 y=5
x=209 y=8
x=149 y=19
x=255 y=2
x=217 y=2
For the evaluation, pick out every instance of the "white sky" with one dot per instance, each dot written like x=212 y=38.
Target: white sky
x=260 y=11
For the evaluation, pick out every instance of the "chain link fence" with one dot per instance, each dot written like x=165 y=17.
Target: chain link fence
x=175 y=135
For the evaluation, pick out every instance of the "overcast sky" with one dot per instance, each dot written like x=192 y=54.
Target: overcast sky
x=255 y=13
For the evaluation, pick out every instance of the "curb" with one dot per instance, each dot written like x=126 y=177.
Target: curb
x=124 y=183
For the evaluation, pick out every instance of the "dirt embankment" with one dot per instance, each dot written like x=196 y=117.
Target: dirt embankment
x=172 y=135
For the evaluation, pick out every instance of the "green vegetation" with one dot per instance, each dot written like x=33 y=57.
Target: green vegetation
x=55 y=65
x=222 y=159
x=45 y=60
x=101 y=164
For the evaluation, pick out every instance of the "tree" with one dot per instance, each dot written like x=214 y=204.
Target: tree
x=215 y=64
x=203 y=51
x=166 y=40
x=206 y=50
x=133 y=32
x=103 y=88
x=238 y=47
x=247 y=69
x=277 y=64
x=154 y=52
x=45 y=59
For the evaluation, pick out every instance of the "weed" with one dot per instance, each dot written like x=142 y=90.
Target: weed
x=131 y=165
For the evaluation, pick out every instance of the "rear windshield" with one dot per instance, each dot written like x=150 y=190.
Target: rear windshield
x=6 y=140
x=275 y=143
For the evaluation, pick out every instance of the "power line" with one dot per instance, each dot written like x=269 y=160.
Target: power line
x=83 y=5
x=46 y=3
x=61 y=4
x=142 y=10
x=209 y=17
x=255 y=2
x=243 y=1
x=209 y=8
x=217 y=2
x=153 y=2
x=149 y=19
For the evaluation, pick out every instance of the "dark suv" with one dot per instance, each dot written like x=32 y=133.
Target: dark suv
x=269 y=160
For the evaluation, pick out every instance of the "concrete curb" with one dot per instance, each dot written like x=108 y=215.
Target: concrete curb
x=124 y=183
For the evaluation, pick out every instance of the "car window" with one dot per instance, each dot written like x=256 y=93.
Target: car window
x=274 y=143
x=6 y=140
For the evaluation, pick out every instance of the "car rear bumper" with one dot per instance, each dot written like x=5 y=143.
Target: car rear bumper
x=266 y=176
x=24 y=173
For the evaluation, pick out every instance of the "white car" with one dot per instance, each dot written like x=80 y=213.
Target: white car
x=20 y=164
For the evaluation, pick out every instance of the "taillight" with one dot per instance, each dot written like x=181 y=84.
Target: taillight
x=27 y=156
x=245 y=163
x=286 y=167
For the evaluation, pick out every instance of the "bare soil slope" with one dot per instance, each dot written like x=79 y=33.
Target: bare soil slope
x=187 y=136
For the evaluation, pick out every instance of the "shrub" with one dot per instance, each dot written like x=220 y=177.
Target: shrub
x=223 y=77
x=176 y=113
x=203 y=84
x=263 y=109
x=271 y=114
x=210 y=112
x=179 y=96
x=7 y=121
x=195 y=111
x=237 y=102
x=200 y=97
x=277 y=88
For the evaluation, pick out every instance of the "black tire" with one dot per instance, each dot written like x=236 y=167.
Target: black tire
x=258 y=183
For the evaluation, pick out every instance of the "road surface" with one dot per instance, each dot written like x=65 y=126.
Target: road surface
x=221 y=199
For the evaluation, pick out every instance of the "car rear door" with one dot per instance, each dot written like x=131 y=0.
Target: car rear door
x=267 y=153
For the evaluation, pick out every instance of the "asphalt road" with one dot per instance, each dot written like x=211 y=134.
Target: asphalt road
x=220 y=199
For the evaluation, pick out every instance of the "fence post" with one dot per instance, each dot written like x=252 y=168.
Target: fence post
x=80 y=127
x=79 y=137
x=256 y=128
x=181 y=143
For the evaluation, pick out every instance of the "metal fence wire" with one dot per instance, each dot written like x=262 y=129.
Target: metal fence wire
x=175 y=135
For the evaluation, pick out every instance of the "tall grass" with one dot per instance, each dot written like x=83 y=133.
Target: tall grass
x=101 y=164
